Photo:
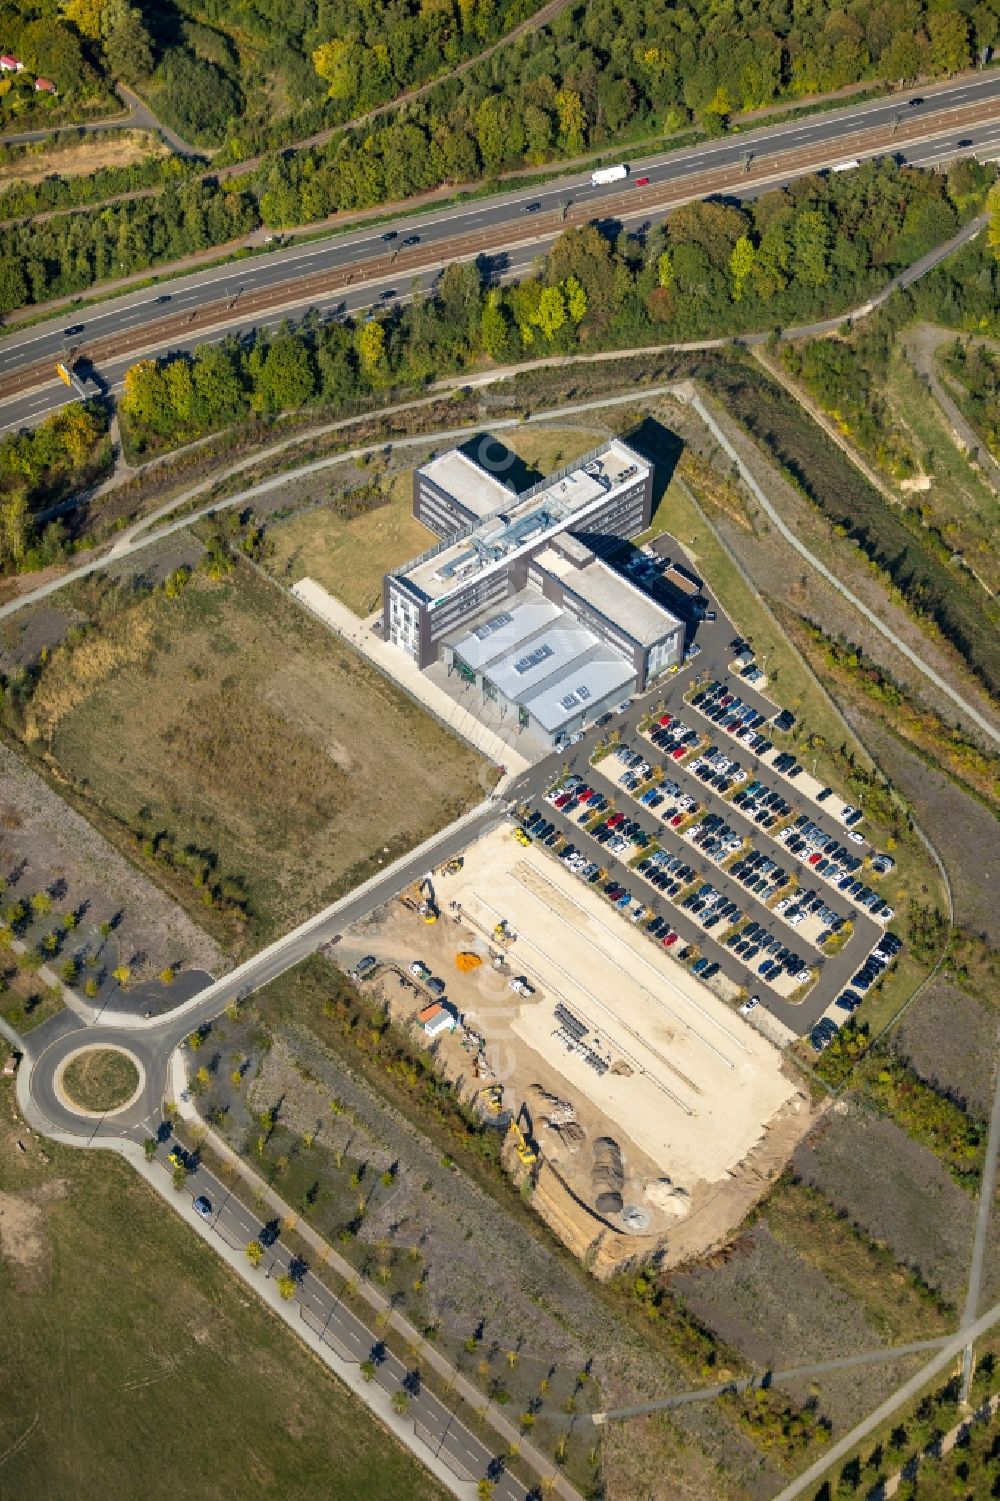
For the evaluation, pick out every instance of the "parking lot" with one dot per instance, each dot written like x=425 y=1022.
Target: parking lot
x=721 y=847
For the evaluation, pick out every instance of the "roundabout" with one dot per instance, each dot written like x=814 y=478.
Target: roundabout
x=99 y=1079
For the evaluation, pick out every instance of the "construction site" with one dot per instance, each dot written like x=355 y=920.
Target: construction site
x=643 y=1112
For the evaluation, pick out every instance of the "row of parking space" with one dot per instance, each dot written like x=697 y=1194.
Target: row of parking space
x=882 y=956
x=833 y=861
x=746 y=724
x=538 y=827
x=673 y=876
x=762 y=876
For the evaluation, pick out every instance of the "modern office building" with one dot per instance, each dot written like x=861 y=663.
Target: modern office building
x=517 y=597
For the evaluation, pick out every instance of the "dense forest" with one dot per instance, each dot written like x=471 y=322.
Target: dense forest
x=69 y=254
x=38 y=469
x=255 y=74
x=258 y=75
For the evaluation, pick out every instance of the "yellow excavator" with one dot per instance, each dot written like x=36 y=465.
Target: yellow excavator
x=524 y=1151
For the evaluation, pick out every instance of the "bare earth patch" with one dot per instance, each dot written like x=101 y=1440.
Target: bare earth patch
x=24 y=1243
x=114 y=148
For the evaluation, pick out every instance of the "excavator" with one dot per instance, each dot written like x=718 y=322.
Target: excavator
x=524 y=1151
x=429 y=909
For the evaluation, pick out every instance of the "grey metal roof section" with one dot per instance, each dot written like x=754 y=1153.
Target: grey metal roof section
x=547 y=655
x=504 y=630
x=590 y=679
x=474 y=488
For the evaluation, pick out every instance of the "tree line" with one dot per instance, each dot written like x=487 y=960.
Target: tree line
x=21 y=199
x=605 y=73
x=710 y=268
x=976 y=368
x=597 y=76
x=40 y=468
x=67 y=255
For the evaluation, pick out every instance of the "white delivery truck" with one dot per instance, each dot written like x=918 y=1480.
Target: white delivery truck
x=608 y=174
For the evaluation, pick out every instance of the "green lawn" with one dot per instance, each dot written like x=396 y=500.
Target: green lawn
x=135 y=1366
x=349 y=554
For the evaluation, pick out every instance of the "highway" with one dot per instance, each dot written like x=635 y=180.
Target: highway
x=354 y=269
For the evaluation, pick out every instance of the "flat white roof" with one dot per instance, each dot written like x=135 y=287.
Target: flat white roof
x=463 y=479
x=614 y=597
x=548 y=508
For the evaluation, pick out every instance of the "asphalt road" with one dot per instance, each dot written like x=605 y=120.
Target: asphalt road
x=330 y=1318
x=154 y=1039
x=779 y=153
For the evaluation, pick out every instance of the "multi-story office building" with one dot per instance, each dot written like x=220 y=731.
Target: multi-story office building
x=517 y=597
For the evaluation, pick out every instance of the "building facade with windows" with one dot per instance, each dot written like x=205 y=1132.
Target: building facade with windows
x=518 y=598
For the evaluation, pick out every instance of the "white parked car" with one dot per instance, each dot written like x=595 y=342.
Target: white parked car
x=748 y=1006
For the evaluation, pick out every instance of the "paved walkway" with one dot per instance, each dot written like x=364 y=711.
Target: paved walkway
x=139 y=117
x=921 y=344
x=375 y=1398
x=810 y=1478
x=987 y=1188
x=397 y=666
x=944 y=1445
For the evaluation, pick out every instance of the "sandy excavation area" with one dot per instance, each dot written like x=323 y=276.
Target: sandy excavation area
x=687 y=1080
x=642 y=1088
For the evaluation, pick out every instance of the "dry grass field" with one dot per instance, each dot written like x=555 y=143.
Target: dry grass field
x=156 y=1374
x=349 y=555
x=243 y=750
x=897 y=1193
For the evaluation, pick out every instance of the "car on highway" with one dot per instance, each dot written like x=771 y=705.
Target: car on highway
x=387 y=294
x=163 y=297
x=390 y=234
x=74 y=328
x=532 y=208
x=412 y=240
x=203 y=1207
x=641 y=182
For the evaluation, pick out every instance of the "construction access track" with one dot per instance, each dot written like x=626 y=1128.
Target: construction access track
x=632 y=203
